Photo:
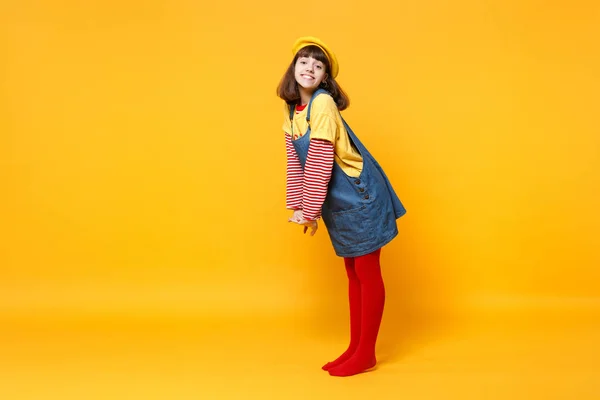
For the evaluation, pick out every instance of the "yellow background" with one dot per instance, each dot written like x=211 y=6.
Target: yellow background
x=142 y=207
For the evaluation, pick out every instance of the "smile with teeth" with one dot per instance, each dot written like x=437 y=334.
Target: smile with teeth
x=308 y=77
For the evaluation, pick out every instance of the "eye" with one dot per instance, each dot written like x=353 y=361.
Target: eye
x=320 y=66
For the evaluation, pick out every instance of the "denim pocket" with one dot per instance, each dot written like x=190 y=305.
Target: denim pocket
x=354 y=226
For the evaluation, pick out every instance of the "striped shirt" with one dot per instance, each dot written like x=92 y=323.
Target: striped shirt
x=306 y=189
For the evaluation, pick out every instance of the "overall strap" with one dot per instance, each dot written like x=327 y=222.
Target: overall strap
x=313 y=97
x=293 y=108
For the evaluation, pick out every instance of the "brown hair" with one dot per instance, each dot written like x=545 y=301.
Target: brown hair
x=288 y=87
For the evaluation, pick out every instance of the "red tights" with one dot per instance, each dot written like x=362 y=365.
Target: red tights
x=366 y=294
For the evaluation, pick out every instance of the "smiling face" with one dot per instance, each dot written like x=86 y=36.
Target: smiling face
x=309 y=69
x=309 y=73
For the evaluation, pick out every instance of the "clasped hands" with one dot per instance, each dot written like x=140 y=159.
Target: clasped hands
x=298 y=218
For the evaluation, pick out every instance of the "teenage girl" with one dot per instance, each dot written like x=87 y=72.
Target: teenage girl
x=331 y=175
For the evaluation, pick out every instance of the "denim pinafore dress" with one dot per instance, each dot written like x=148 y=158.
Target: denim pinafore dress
x=360 y=213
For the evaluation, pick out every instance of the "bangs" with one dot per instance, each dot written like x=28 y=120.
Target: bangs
x=314 y=52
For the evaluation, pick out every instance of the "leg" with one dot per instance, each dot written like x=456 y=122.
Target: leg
x=368 y=271
x=355 y=314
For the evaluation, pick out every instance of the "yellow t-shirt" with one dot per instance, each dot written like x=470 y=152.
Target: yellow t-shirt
x=326 y=123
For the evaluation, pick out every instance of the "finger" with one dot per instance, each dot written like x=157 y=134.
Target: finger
x=305 y=229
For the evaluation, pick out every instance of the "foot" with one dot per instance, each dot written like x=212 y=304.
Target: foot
x=354 y=365
x=338 y=361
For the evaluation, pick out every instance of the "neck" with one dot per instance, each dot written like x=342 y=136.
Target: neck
x=305 y=95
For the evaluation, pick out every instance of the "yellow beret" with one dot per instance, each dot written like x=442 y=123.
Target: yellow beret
x=313 y=41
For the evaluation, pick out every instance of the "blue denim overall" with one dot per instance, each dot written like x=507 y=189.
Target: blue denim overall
x=360 y=213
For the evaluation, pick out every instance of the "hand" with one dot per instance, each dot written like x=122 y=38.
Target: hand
x=313 y=225
x=298 y=218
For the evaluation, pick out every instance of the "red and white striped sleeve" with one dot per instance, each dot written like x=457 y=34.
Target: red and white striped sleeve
x=317 y=173
x=294 y=177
